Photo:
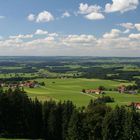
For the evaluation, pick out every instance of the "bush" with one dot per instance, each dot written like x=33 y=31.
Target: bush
x=83 y=90
x=104 y=99
x=101 y=88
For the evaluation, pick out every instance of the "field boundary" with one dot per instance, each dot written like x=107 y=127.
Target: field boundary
x=89 y=95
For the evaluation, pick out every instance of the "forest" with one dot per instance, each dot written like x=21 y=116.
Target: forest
x=22 y=117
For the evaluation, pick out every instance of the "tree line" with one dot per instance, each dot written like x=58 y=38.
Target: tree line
x=22 y=117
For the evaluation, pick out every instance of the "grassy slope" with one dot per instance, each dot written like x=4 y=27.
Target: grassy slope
x=70 y=89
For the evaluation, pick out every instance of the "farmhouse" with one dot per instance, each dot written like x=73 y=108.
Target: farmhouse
x=96 y=91
x=30 y=84
x=122 y=89
x=13 y=85
x=136 y=105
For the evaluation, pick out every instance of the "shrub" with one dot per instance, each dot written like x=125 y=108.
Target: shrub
x=104 y=99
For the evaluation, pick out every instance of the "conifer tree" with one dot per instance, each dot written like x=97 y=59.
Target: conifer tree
x=75 y=128
x=113 y=124
x=132 y=125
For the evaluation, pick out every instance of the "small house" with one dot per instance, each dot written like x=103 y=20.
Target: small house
x=136 y=105
x=122 y=89
x=96 y=91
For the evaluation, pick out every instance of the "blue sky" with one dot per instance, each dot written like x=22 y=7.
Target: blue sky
x=76 y=27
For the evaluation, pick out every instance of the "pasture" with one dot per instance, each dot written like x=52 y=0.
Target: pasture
x=70 y=89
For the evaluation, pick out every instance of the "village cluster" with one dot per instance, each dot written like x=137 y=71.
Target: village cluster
x=29 y=84
x=121 y=89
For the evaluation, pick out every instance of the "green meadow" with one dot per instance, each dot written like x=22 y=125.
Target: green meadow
x=70 y=89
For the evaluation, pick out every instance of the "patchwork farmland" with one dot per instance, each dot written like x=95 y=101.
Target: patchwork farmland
x=71 y=89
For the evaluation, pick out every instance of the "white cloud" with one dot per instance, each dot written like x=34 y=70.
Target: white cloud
x=21 y=36
x=112 y=34
x=127 y=25
x=41 y=32
x=112 y=43
x=31 y=17
x=126 y=31
x=53 y=34
x=86 y=9
x=40 y=42
x=92 y=12
x=80 y=38
x=66 y=14
x=44 y=16
x=50 y=38
x=137 y=26
x=12 y=42
x=131 y=25
x=134 y=36
x=95 y=16
x=121 y=5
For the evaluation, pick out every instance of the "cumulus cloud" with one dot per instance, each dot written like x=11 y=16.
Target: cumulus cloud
x=134 y=36
x=126 y=31
x=127 y=25
x=11 y=42
x=95 y=16
x=112 y=34
x=66 y=14
x=31 y=17
x=81 y=41
x=112 y=44
x=53 y=34
x=41 y=32
x=79 y=38
x=44 y=16
x=27 y=36
x=121 y=5
x=86 y=9
x=130 y=26
x=40 y=42
x=137 y=26
x=91 y=12
x=76 y=44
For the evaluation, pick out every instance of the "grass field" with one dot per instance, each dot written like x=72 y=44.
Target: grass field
x=70 y=89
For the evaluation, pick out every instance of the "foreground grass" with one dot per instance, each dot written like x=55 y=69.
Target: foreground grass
x=70 y=89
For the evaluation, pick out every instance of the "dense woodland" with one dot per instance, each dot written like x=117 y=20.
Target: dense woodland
x=21 y=117
x=87 y=67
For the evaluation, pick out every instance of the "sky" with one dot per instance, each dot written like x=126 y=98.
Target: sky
x=70 y=28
